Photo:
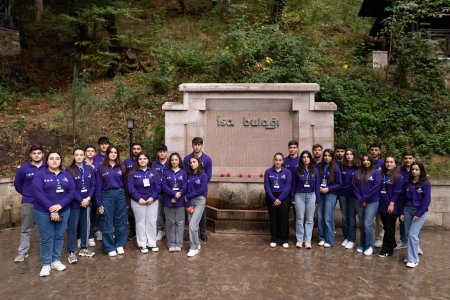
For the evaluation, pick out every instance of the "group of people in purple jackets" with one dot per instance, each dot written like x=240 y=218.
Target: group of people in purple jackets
x=368 y=187
x=95 y=192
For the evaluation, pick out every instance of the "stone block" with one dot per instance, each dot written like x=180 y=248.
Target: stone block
x=440 y=204
x=256 y=196
x=446 y=220
x=440 y=191
x=433 y=219
x=233 y=195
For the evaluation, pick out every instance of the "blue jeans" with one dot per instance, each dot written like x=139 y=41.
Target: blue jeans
x=366 y=216
x=326 y=217
x=84 y=225
x=347 y=204
x=403 y=236
x=305 y=205
x=72 y=229
x=199 y=204
x=114 y=218
x=51 y=235
x=412 y=231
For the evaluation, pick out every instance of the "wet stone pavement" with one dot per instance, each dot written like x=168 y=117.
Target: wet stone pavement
x=231 y=267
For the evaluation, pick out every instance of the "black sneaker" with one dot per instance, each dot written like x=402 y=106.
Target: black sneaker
x=203 y=237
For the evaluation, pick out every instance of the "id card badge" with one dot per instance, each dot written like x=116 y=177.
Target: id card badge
x=59 y=189
x=146 y=182
x=324 y=183
x=175 y=186
x=306 y=185
x=83 y=188
x=276 y=184
x=383 y=191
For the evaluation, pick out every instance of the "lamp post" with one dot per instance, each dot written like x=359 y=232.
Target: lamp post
x=130 y=125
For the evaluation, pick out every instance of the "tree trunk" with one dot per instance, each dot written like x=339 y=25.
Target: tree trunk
x=39 y=10
x=182 y=6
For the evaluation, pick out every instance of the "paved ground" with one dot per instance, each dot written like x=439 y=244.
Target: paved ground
x=232 y=266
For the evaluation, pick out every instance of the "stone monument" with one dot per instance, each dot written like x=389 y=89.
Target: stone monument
x=243 y=126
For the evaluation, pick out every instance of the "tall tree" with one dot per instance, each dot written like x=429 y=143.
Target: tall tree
x=39 y=10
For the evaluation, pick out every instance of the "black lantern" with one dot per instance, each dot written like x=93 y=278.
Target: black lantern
x=130 y=125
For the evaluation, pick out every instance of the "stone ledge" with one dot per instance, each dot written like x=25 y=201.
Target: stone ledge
x=252 y=87
x=173 y=106
x=325 y=106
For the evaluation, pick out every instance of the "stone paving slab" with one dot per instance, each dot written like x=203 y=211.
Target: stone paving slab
x=231 y=267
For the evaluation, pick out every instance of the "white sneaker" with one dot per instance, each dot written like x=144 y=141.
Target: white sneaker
x=400 y=245
x=156 y=249
x=160 y=235
x=45 y=271
x=78 y=243
x=112 y=253
x=144 y=250
x=192 y=253
x=99 y=235
x=406 y=260
x=420 y=251
x=378 y=243
x=285 y=245
x=349 y=245
x=412 y=265
x=321 y=243
x=91 y=242
x=359 y=249
x=273 y=245
x=344 y=243
x=20 y=258
x=58 y=266
x=298 y=244
x=308 y=245
x=326 y=245
x=86 y=253
x=368 y=252
x=120 y=250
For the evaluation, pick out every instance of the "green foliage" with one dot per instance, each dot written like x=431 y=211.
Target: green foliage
x=157 y=138
x=7 y=98
x=19 y=124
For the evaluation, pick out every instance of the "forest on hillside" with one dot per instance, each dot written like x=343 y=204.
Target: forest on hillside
x=85 y=66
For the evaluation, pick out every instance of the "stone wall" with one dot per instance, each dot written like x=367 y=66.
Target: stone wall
x=9 y=42
x=227 y=194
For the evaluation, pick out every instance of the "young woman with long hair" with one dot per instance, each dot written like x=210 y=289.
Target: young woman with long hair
x=417 y=199
x=143 y=189
x=366 y=187
x=174 y=185
x=278 y=184
x=197 y=188
x=111 y=201
x=349 y=167
x=330 y=182
x=306 y=186
x=84 y=178
x=389 y=207
x=53 y=189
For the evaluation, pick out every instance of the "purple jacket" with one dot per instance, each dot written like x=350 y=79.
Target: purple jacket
x=206 y=162
x=348 y=175
x=86 y=174
x=44 y=188
x=158 y=170
x=419 y=197
x=378 y=164
x=292 y=164
x=129 y=163
x=333 y=188
x=136 y=188
x=24 y=179
x=368 y=192
x=313 y=180
x=98 y=159
x=197 y=185
x=105 y=180
x=405 y=173
x=278 y=182
x=173 y=183
x=390 y=191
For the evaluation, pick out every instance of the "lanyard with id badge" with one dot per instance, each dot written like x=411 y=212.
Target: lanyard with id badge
x=175 y=186
x=324 y=179
x=306 y=184
x=83 y=183
x=276 y=182
x=383 y=188
x=146 y=181
x=59 y=188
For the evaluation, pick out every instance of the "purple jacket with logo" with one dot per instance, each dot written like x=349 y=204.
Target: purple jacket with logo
x=24 y=179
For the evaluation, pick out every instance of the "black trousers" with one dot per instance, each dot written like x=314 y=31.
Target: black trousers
x=279 y=220
x=389 y=242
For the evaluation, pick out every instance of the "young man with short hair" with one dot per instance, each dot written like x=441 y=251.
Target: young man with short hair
x=291 y=161
x=131 y=161
x=317 y=155
x=197 y=146
x=23 y=185
x=339 y=152
x=159 y=165
x=103 y=144
x=89 y=153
